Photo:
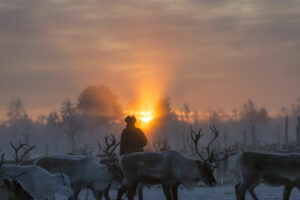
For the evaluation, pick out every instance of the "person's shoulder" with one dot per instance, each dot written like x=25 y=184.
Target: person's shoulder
x=139 y=130
x=124 y=130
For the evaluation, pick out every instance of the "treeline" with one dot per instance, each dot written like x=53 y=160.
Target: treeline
x=96 y=113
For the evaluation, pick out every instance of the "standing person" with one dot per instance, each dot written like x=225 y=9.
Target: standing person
x=133 y=139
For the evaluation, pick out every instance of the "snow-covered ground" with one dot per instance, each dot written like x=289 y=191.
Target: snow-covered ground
x=210 y=193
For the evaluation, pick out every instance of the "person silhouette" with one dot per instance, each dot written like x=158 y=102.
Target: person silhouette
x=133 y=139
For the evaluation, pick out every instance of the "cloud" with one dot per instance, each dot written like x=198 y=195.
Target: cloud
x=227 y=51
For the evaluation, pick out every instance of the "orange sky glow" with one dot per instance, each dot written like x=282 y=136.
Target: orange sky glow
x=207 y=54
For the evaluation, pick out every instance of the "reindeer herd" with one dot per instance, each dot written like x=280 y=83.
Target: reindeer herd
x=67 y=175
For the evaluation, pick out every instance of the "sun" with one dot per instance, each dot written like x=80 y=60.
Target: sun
x=145 y=116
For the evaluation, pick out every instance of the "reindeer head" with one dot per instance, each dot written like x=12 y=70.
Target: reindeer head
x=206 y=173
x=210 y=154
x=210 y=157
x=11 y=188
x=63 y=184
x=14 y=190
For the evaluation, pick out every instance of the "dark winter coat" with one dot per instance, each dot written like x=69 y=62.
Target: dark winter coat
x=132 y=140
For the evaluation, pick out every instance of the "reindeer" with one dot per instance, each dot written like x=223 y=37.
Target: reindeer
x=39 y=183
x=10 y=188
x=166 y=168
x=170 y=168
x=210 y=157
x=270 y=169
x=86 y=172
x=140 y=164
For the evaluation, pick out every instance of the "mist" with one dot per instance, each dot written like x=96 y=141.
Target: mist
x=97 y=112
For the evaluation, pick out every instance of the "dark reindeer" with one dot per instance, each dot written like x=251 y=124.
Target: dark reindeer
x=270 y=169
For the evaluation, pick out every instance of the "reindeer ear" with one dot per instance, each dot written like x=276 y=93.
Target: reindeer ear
x=7 y=183
x=17 y=185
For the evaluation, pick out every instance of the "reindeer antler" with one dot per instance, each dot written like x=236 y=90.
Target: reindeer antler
x=24 y=147
x=84 y=150
x=228 y=152
x=212 y=154
x=110 y=146
x=1 y=173
x=195 y=137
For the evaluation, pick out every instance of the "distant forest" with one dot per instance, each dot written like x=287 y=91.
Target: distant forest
x=80 y=126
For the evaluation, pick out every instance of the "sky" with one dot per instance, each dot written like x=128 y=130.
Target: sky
x=206 y=53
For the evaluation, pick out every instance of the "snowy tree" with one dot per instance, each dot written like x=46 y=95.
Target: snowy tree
x=71 y=122
x=18 y=120
x=254 y=117
x=16 y=112
x=99 y=105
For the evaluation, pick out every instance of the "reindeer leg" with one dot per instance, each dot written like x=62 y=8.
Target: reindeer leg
x=76 y=190
x=240 y=191
x=131 y=191
x=175 y=191
x=167 y=191
x=52 y=197
x=140 y=191
x=247 y=182
x=121 y=191
x=287 y=192
x=251 y=191
x=106 y=192
x=97 y=194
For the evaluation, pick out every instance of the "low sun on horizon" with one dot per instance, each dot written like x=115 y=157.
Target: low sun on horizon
x=144 y=118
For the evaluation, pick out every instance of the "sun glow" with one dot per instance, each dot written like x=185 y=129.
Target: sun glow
x=146 y=117
x=143 y=117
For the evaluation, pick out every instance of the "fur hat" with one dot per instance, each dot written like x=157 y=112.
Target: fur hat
x=130 y=119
